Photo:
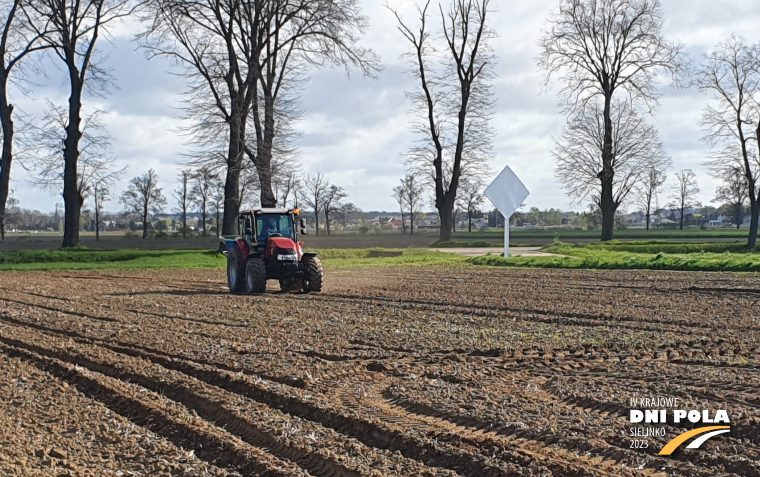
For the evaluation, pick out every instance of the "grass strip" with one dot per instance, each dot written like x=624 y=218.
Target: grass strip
x=716 y=257
x=84 y=259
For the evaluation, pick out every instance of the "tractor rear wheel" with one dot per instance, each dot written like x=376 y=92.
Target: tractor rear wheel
x=256 y=276
x=313 y=275
x=235 y=269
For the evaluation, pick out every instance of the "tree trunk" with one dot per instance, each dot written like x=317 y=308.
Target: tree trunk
x=753 y=223
x=145 y=223
x=316 y=217
x=608 y=206
x=411 y=223
x=6 y=111
x=607 y=199
x=648 y=218
x=446 y=214
x=469 y=222
x=232 y=179
x=753 y=203
x=739 y=216
x=97 y=216
x=327 y=221
x=203 y=218
x=264 y=155
x=680 y=221
x=403 y=222
x=72 y=199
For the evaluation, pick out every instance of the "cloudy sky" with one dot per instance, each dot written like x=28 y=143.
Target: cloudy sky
x=356 y=130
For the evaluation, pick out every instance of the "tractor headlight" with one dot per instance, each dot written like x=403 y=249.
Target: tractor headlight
x=289 y=258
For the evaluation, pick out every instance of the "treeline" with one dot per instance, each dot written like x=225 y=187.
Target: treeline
x=245 y=64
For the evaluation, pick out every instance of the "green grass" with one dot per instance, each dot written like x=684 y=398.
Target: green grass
x=638 y=256
x=652 y=247
x=649 y=255
x=478 y=244
x=380 y=256
x=629 y=234
x=84 y=259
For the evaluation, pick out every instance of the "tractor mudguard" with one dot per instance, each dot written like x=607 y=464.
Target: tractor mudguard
x=307 y=255
x=227 y=245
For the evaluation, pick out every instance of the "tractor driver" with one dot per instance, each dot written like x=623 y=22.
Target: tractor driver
x=269 y=226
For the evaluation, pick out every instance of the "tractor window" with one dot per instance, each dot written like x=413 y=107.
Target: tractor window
x=247 y=229
x=271 y=224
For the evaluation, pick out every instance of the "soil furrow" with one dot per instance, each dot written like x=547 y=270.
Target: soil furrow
x=216 y=448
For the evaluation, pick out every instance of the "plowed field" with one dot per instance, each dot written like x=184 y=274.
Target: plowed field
x=390 y=371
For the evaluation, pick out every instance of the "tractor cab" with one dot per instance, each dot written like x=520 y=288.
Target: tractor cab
x=257 y=226
x=267 y=247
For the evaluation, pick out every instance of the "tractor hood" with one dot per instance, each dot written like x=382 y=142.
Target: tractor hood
x=281 y=243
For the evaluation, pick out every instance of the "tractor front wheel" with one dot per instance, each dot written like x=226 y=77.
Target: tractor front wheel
x=235 y=269
x=313 y=275
x=256 y=276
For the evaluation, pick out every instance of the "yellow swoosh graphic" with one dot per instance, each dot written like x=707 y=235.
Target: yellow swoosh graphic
x=673 y=445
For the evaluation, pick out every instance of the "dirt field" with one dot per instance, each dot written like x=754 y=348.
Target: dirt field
x=391 y=371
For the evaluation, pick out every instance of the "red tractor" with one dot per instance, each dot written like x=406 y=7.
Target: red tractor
x=268 y=249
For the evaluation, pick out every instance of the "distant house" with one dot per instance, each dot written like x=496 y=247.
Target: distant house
x=477 y=224
x=666 y=224
x=429 y=222
x=636 y=219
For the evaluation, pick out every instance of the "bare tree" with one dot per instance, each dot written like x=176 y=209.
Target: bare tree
x=204 y=181
x=217 y=204
x=71 y=29
x=298 y=33
x=214 y=41
x=732 y=74
x=144 y=197
x=685 y=193
x=470 y=200
x=648 y=190
x=96 y=172
x=580 y=154
x=455 y=101
x=17 y=41
x=95 y=164
x=734 y=192
x=288 y=186
x=101 y=194
x=313 y=193
x=12 y=205
x=240 y=57
x=184 y=198
x=331 y=202
x=346 y=210
x=413 y=193
x=400 y=197
x=601 y=50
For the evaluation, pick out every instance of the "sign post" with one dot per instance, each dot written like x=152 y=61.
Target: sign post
x=507 y=193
